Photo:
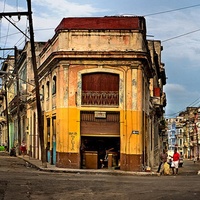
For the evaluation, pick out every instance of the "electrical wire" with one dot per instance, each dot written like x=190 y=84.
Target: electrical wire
x=195 y=102
x=17 y=5
x=157 y=13
x=4 y=6
x=173 y=10
x=188 y=33
x=7 y=34
x=16 y=33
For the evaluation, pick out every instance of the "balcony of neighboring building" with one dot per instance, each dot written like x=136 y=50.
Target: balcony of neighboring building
x=159 y=98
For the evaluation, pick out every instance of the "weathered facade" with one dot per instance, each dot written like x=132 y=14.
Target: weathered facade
x=6 y=95
x=191 y=134
x=95 y=74
x=156 y=139
x=184 y=132
x=175 y=129
x=27 y=120
x=20 y=87
x=101 y=87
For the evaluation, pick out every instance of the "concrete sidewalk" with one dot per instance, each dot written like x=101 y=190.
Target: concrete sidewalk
x=189 y=168
x=52 y=168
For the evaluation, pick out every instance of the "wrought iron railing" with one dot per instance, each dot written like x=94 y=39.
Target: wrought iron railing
x=108 y=98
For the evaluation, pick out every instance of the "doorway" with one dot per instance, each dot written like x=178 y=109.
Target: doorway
x=54 y=141
x=100 y=152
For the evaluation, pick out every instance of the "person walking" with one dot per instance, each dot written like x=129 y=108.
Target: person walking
x=23 y=148
x=163 y=159
x=176 y=158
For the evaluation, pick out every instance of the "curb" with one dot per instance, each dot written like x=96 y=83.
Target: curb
x=88 y=171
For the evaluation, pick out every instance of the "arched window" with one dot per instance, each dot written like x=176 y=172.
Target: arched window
x=100 y=89
x=54 y=85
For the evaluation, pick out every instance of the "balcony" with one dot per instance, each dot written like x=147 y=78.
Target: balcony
x=159 y=98
x=156 y=101
x=100 y=98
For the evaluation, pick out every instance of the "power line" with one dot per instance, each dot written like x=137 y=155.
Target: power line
x=178 y=36
x=190 y=105
x=167 y=11
x=42 y=29
x=7 y=35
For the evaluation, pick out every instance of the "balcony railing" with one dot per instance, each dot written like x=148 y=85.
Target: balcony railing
x=101 y=98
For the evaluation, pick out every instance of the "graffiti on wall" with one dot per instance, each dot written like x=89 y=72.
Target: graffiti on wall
x=73 y=135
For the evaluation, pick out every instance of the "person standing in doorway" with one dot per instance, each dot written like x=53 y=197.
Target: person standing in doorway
x=176 y=158
x=163 y=159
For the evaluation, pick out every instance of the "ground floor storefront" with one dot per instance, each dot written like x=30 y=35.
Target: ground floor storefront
x=100 y=152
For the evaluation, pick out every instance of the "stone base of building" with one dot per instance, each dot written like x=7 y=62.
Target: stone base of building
x=131 y=162
x=68 y=160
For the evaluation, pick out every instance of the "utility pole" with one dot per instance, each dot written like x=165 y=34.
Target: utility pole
x=7 y=117
x=18 y=103
x=37 y=89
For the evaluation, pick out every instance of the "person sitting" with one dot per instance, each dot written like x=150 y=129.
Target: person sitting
x=13 y=152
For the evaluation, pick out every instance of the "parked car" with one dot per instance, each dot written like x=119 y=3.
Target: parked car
x=170 y=155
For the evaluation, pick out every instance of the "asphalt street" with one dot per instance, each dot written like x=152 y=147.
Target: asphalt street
x=21 y=180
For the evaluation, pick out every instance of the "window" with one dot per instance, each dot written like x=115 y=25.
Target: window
x=100 y=89
x=181 y=142
x=47 y=92
x=42 y=93
x=54 y=85
x=173 y=140
x=48 y=129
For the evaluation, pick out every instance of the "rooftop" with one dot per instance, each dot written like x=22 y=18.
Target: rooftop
x=102 y=23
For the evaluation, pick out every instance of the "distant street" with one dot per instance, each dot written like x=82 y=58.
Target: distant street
x=21 y=182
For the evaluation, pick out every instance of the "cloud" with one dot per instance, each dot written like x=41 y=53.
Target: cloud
x=65 y=8
x=46 y=14
x=179 y=32
x=180 y=97
x=180 y=55
x=175 y=88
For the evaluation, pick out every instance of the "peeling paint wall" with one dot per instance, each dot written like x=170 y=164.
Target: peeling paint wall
x=75 y=52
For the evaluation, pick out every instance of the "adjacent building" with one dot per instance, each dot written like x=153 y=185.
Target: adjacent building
x=175 y=130
x=184 y=133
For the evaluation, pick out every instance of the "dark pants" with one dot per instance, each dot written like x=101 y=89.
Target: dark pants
x=159 y=167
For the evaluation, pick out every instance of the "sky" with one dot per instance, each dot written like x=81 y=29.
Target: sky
x=175 y=23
